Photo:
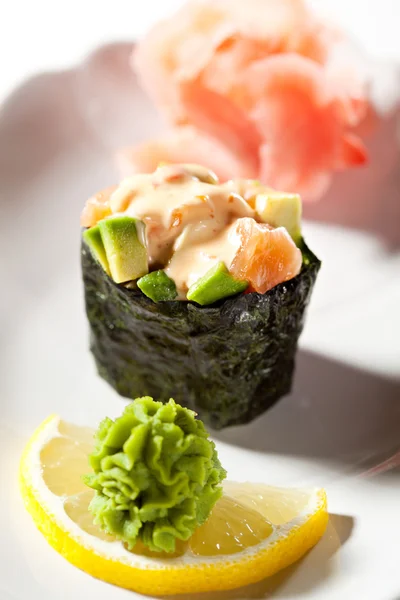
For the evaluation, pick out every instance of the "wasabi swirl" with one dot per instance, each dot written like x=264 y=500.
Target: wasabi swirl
x=156 y=475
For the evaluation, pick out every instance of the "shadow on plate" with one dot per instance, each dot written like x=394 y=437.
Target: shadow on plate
x=336 y=412
x=37 y=122
x=302 y=577
x=58 y=127
x=97 y=102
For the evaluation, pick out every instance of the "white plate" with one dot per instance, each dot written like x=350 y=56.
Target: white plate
x=343 y=417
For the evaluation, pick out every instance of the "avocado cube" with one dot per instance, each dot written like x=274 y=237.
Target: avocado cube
x=124 y=242
x=93 y=239
x=280 y=209
x=216 y=284
x=158 y=286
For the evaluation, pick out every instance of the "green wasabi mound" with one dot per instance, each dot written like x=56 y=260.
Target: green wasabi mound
x=156 y=475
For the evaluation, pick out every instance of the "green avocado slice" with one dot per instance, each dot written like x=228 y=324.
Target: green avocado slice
x=125 y=246
x=216 y=284
x=281 y=209
x=93 y=239
x=158 y=286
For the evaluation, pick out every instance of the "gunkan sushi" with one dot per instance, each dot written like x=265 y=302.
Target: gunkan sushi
x=196 y=290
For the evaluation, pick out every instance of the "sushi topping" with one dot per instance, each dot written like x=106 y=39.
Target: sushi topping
x=216 y=284
x=187 y=230
x=158 y=286
x=125 y=246
x=156 y=475
x=265 y=256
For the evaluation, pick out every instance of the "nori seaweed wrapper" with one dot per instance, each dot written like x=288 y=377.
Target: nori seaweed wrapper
x=229 y=362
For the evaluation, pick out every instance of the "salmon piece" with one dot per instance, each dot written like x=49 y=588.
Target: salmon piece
x=97 y=207
x=266 y=256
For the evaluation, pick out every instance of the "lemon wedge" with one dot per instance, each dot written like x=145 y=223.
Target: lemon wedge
x=253 y=532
